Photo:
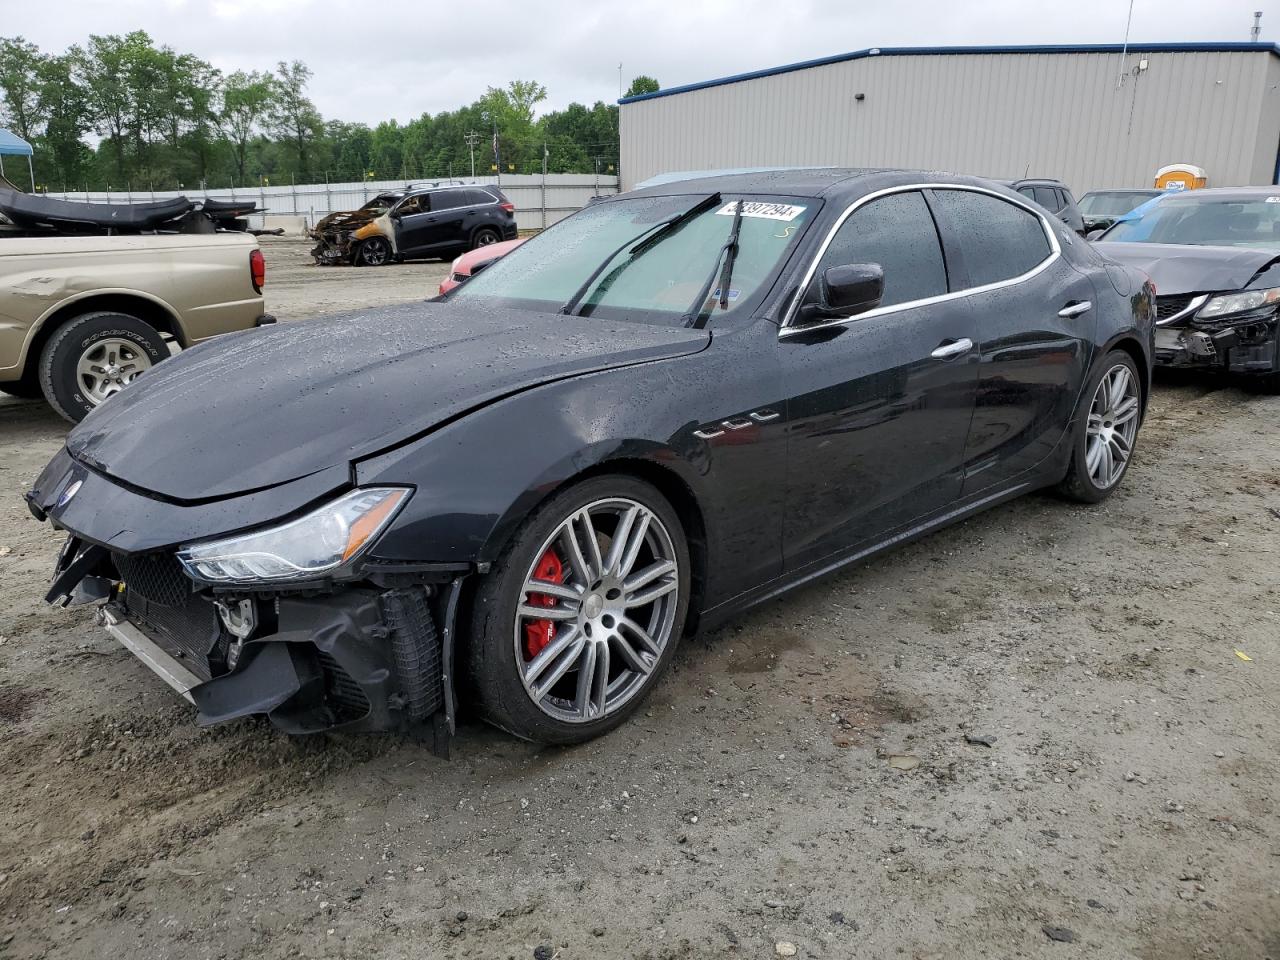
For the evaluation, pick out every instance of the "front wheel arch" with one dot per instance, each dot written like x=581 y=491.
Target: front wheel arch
x=667 y=481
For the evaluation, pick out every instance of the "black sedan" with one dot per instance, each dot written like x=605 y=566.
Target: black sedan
x=671 y=406
x=1214 y=256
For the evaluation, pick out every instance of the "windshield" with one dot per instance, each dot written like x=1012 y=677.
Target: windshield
x=655 y=282
x=1226 y=222
x=382 y=203
x=1112 y=204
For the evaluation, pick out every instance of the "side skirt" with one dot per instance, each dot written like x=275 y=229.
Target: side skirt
x=789 y=581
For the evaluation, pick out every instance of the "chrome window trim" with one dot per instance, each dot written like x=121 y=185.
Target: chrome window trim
x=1055 y=252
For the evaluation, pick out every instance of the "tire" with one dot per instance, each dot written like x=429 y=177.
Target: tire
x=138 y=347
x=1108 y=424
x=502 y=648
x=374 y=252
x=483 y=237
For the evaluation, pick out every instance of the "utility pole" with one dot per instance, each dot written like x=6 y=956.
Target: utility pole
x=619 y=81
x=1257 y=26
x=472 y=139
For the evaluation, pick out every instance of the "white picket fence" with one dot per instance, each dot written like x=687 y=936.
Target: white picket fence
x=539 y=201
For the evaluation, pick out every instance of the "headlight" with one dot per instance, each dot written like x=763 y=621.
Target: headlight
x=1228 y=303
x=300 y=549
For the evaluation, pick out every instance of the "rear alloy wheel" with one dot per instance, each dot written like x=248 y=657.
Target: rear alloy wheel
x=484 y=237
x=1105 y=440
x=375 y=252
x=94 y=357
x=573 y=628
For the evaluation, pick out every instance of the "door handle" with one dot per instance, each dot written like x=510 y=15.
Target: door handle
x=1075 y=308
x=952 y=349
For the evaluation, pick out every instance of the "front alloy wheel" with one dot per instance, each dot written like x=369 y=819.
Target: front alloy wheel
x=598 y=607
x=375 y=252
x=593 y=593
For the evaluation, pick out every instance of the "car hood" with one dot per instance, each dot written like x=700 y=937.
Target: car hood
x=248 y=411
x=344 y=220
x=1189 y=268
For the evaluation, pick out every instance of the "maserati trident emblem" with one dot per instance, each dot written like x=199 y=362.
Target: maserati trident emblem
x=72 y=489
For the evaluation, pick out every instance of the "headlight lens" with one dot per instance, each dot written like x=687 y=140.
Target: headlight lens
x=300 y=549
x=1228 y=303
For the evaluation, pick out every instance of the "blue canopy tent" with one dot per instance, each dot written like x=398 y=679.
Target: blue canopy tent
x=12 y=145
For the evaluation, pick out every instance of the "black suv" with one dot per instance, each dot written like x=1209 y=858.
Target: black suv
x=1054 y=196
x=416 y=223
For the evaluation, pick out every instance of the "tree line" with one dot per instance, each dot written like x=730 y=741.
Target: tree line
x=121 y=112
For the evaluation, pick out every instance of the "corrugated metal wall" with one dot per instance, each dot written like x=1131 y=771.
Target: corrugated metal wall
x=1001 y=115
x=538 y=204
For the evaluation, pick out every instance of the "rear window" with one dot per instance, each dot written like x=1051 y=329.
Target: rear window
x=449 y=199
x=1048 y=198
x=999 y=240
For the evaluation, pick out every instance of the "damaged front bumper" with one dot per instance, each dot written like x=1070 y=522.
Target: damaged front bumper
x=1245 y=345
x=371 y=656
x=334 y=246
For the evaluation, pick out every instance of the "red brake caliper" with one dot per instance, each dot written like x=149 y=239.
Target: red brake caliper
x=538 y=633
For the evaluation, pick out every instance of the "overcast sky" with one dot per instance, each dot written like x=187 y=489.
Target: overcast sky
x=380 y=59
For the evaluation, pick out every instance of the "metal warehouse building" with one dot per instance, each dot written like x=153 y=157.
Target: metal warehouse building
x=1092 y=116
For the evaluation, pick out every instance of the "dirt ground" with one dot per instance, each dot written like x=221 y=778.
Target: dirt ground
x=800 y=779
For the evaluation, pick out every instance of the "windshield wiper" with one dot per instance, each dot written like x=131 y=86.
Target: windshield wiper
x=696 y=316
x=642 y=243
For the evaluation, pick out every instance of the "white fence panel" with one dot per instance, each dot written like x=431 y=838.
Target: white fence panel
x=539 y=202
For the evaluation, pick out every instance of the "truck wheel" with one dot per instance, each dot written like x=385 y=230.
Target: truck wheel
x=95 y=356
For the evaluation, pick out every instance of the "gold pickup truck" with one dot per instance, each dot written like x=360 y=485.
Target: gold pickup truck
x=82 y=316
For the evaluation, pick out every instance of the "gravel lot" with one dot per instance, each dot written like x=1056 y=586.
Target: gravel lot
x=801 y=779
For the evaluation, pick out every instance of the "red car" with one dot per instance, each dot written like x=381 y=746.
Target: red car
x=472 y=262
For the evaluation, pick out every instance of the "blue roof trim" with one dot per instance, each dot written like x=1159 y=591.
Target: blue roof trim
x=1225 y=47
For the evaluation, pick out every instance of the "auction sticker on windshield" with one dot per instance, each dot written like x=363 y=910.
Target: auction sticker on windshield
x=765 y=211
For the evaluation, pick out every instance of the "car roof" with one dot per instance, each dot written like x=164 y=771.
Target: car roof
x=1226 y=193
x=804 y=181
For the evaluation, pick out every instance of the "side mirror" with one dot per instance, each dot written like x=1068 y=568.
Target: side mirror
x=844 y=291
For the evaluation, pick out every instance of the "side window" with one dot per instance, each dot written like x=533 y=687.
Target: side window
x=999 y=240
x=411 y=206
x=897 y=232
x=1048 y=198
x=479 y=196
x=1028 y=192
x=446 y=200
